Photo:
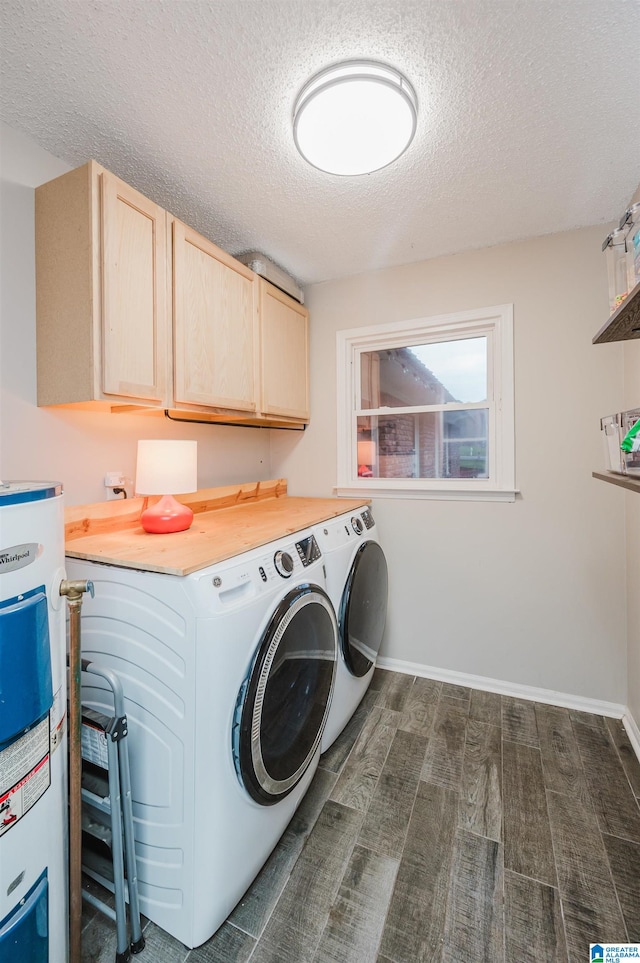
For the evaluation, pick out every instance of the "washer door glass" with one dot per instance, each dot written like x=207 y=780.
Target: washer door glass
x=363 y=609
x=283 y=704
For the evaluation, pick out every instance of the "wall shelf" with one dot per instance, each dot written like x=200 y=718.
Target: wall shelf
x=624 y=323
x=632 y=484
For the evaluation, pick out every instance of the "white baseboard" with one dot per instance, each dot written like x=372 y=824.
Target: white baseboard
x=549 y=696
x=632 y=731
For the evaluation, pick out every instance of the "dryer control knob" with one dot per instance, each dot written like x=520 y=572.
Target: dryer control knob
x=356 y=524
x=284 y=564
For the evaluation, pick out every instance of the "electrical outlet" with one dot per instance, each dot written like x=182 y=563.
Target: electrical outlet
x=113 y=480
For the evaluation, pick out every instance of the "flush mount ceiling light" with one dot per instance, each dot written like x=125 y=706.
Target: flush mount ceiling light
x=355 y=117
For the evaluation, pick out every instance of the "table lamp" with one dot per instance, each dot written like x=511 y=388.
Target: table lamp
x=366 y=458
x=166 y=468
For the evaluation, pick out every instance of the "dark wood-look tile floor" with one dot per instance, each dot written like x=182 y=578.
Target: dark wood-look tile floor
x=446 y=825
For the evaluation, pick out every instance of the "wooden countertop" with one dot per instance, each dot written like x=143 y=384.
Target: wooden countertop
x=227 y=521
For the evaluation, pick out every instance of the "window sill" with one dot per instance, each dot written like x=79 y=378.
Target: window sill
x=439 y=494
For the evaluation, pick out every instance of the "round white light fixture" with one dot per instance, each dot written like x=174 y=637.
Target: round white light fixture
x=355 y=117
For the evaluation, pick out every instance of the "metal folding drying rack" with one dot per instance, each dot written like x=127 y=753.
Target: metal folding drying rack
x=107 y=815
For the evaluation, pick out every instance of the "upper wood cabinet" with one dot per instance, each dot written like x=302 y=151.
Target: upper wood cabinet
x=101 y=292
x=215 y=318
x=284 y=332
x=136 y=309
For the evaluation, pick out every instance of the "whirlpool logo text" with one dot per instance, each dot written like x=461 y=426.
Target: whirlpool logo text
x=18 y=556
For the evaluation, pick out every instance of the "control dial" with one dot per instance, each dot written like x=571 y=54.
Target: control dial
x=356 y=524
x=283 y=563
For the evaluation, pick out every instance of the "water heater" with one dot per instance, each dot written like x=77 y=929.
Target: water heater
x=33 y=743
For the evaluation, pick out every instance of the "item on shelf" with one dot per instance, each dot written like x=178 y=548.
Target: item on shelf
x=615 y=246
x=631 y=441
x=617 y=428
x=631 y=223
x=610 y=425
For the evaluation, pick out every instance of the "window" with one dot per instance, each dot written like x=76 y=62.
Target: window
x=425 y=407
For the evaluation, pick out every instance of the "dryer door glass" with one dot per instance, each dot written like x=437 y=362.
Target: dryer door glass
x=364 y=609
x=283 y=704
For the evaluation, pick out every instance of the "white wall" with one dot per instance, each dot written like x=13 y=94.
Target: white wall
x=77 y=447
x=632 y=523
x=530 y=592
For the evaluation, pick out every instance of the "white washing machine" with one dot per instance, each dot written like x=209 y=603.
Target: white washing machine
x=357 y=584
x=228 y=675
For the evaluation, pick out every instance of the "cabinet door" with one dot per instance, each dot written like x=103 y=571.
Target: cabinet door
x=285 y=354
x=135 y=332
x=215 y=325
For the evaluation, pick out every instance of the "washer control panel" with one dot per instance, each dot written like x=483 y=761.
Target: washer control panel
x=367 y=518
x=308 y=550
x=230 y=585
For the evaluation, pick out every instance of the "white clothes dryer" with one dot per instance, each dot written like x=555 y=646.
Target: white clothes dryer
x=227 y=675
x=357 y=583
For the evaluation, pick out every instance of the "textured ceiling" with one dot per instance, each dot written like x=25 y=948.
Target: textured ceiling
x=529 y=116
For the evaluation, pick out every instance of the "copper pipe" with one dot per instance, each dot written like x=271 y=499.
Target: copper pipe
x=74 y=591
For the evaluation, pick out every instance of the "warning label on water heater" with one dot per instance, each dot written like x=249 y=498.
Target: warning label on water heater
x=25 y=774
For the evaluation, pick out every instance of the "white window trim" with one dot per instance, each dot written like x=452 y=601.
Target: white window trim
x=496 y=323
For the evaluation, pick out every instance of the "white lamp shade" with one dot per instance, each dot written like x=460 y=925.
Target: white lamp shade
x=355 y=117
x=166 y=467
x=366 y=452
